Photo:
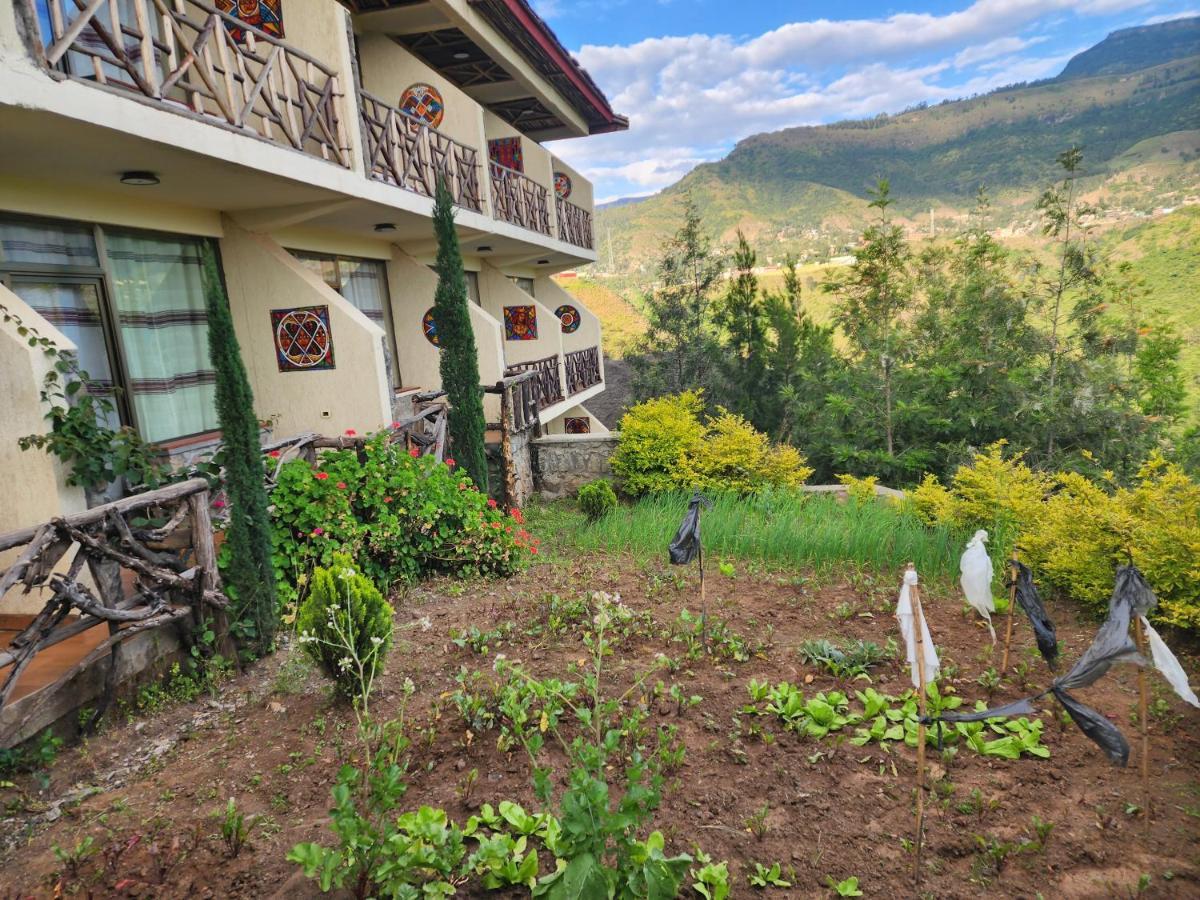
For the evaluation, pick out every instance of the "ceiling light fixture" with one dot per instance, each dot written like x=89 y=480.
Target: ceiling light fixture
x=486 y=248
x=543 y=262
x=385 y=226
x=462 y=54
x=139 y=178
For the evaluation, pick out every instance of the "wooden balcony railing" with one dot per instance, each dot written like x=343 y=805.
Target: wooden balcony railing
x=574 y=223
x=518 y=199
x=409 y=153
x=546 y=381
x=180 y=55
x=582 y=369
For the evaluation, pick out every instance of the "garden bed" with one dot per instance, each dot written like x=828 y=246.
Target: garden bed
x=151 y=792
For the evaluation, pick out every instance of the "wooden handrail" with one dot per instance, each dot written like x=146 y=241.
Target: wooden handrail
x=582 y=368
x=574 y=223
x=181 y=55
x=410 y=153
x=547 y=382
x=518 y=199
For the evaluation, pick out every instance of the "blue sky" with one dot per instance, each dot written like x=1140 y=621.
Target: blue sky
x=696 y=76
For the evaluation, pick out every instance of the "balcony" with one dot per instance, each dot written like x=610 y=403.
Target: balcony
x=409 y=153
x=548 y=384
x=519 y=200
x=183 y=57
x=582 y=368
x=574 y=223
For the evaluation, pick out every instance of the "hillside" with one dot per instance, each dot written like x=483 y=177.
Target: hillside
x=802 y=190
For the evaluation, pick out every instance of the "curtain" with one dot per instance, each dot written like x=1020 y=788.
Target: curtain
x=161 y=316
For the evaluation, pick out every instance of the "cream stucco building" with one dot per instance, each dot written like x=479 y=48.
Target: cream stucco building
x=305 y=150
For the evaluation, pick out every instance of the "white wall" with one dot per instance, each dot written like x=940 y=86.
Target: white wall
x=262 y=276
x=35 y=488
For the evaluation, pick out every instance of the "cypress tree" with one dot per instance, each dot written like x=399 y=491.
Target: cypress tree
x=248 y=573
x=459 y=362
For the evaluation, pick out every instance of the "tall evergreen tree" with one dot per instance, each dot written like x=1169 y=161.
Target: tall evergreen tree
x=459 y=360
x=679 y=349
x=249 y=574
x=742 y=318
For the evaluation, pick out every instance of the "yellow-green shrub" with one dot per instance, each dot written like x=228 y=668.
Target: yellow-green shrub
x=1074 y=531
x=665 y=446
x=860 y=490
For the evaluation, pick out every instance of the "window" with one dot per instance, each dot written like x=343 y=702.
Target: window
x=472 y=285
x=364 y=283
x=133 y=303
x=525 y=284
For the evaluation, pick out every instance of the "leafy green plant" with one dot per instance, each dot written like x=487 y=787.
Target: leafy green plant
x=846 y=888
x=851 y=660
x=34 y=755
x=346 y=627
x=764 y=877
x=596 y=498
x=235 y=828
x=72 y=858
x=712 y=879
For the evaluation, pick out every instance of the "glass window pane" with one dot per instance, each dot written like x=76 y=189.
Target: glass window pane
x=324 y=266
x=525 y=284
x=159 y=304
x=74 y=309
x=473 y=288
x=40 y=243
x=364 y=283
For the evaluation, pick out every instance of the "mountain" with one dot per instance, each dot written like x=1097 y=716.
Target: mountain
x=1131 y=49
x=803 y=190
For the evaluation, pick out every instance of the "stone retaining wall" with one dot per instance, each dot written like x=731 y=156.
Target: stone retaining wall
x=563 y=462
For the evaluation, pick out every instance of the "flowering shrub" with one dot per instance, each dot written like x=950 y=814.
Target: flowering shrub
x=398 y=516
x=345 y=625
x=665 y=446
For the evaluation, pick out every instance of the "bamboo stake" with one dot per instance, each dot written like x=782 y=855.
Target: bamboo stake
x=919 y=637
x=703 y=600
x=1012 y=601
x=1143 y=690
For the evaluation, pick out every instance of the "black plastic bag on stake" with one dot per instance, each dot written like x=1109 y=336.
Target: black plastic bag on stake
x=1022 y=707
x=686 y=545
x=1112 y=643
x=1132 y=586
x=1105 y=734
x=1043 y=628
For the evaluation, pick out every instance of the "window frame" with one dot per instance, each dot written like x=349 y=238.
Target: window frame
x=102 y=275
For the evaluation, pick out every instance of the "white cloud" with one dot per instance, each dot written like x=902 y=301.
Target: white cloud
x=1171 y=17
x=690 y=98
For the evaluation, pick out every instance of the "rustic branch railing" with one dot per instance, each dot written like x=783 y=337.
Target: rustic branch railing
x=582 y=368
x=547 y=382
x=174 y=576
x=409 y=153
x=574 y=223
x=518 y=402
x=518 y=199
x=180 y=55
x=519 y=424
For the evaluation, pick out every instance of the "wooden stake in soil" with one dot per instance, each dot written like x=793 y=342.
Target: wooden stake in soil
x=703 y=601
x=919 y=637
x=1012 y=601
x=1139 y=636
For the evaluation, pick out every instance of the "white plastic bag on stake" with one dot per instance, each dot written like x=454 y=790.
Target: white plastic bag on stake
x=1165 y=662
x=975 y=569
x=907 y=619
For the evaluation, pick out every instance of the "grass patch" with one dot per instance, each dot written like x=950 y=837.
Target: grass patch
x=814 y=531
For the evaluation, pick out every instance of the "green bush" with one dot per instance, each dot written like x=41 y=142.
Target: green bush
x=666 y=446
x=597 y=498
x=398 y=516
x=1074 y=530
x=345 y=625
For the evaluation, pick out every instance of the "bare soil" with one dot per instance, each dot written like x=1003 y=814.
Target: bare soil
x=151 y=792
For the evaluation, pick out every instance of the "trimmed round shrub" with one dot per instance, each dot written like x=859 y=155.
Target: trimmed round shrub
x=597 y=498
x=345 y=625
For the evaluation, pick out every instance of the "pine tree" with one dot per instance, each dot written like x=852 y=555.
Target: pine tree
x=459 y=362
x=741 y=315
x=249 y=574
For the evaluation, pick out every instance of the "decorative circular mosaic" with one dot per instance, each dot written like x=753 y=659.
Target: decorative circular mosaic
x=429 y=328
x=562 y=184
x=424 y=102
x=568 y=318
x=302 y=338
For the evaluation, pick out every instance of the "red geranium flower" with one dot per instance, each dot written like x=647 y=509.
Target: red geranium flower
x=322 y=476
x=450 y=462
x=341 y=485
x=414 y=452
x=318 y=531
x=350 y=432
x=395 y=424
x=387 y=499
x=274 y=454
x=491 y=502
x=218 y=504
x=517 y=517
x=533 y=550
x=496 y=525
